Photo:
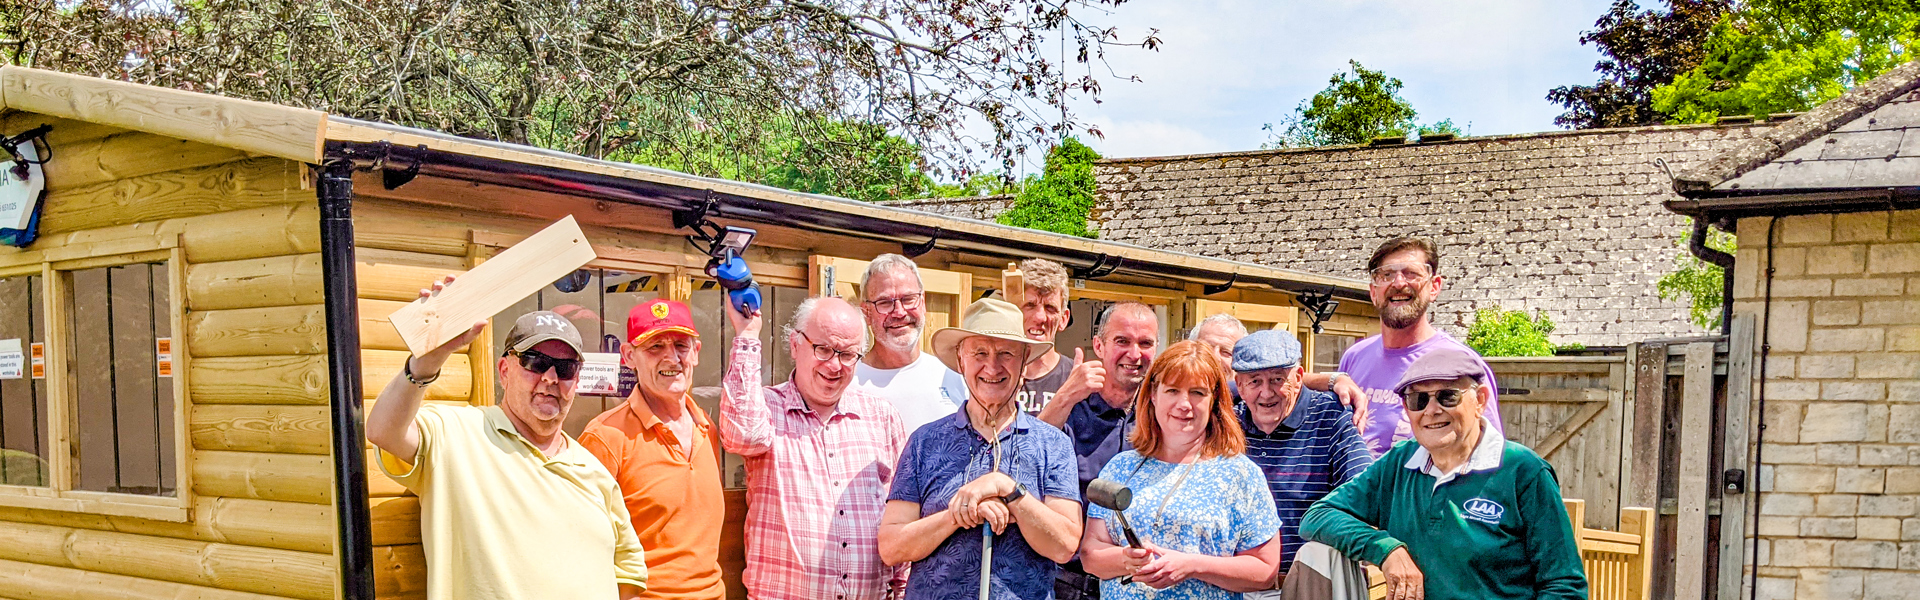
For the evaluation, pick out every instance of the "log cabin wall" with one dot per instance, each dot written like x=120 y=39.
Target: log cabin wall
x=257 y=520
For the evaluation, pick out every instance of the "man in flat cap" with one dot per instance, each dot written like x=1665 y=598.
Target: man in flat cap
x=1304 y=441
x=510 y=506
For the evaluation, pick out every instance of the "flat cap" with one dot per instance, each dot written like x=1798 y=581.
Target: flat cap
x=1445 y=363
x=1266 y=349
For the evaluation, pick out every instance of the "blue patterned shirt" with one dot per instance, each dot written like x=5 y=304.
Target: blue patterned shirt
x=1315 y=449
x=945 y=455
x=1222 y=508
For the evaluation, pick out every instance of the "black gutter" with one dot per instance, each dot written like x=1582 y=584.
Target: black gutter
x=1718 y=205
x=596 y=186
x=1698 y=246
x=352 y=515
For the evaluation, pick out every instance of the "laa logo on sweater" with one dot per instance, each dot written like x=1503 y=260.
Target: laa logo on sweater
x=1485 y=511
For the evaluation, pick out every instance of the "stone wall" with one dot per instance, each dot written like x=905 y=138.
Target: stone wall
x=1840 y=473
x=1566 y=222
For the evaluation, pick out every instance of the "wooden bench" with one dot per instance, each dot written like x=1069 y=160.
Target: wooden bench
x=1619 y=564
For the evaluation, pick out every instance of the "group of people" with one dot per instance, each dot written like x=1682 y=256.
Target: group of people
x=879 y=471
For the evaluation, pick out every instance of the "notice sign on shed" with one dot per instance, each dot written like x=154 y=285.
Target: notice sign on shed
x=13 y=362
x=39 y=352
x=163 y=356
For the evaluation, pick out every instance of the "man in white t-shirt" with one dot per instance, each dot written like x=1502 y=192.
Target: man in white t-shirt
x=920 y=388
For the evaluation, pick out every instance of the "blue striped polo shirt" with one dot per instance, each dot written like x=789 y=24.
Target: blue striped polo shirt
x=1315 y=449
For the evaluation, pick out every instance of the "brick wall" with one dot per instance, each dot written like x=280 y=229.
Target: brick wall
x=1840 y=478
x=1566 y=222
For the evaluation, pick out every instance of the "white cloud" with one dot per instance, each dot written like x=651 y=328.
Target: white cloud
x=1228 y=66
x=1151 y=138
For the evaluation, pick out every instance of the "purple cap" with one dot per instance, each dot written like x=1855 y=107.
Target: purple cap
x=1445 y=364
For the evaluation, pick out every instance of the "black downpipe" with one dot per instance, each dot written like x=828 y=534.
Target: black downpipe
x=1760 y=433
x=1698 y=246
x=343 y=375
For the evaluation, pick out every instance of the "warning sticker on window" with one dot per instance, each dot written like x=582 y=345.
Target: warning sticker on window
x=163 y=356
x=38 y=351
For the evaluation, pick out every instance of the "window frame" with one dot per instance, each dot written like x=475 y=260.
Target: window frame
x=61 y=420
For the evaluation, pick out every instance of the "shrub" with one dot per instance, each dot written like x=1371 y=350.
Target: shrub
x=1499 y=332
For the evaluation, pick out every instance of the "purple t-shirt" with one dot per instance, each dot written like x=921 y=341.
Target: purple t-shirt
x=1376 y=368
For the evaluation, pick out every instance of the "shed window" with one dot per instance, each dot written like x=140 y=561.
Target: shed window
x=23 y=383
x=122 y=368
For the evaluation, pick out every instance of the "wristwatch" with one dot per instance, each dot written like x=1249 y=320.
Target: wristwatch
x=1019 y=491
x=1334 y=377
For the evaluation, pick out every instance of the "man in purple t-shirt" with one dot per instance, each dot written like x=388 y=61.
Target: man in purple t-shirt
x=1405 y=279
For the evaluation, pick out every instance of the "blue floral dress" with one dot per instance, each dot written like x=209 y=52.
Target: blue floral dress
x=1216 y=507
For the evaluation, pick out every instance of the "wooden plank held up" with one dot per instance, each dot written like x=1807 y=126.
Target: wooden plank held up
x=493 y=286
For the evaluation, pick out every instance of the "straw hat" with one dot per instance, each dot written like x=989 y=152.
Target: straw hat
x=988 y=317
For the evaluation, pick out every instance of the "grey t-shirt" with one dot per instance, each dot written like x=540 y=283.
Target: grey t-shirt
x=1035 y=393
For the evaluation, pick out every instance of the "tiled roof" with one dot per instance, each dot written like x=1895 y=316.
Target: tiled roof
x=1859 y=140
x=1566 y=222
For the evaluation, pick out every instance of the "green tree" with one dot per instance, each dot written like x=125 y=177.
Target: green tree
x=1351 y=110
x=1061 y=198
x=860 y=161
x=1770 y=56
x=1500 y=332
x=1642 y=50
x=1696 y=281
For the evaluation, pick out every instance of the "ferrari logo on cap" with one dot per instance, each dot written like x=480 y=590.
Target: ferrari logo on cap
x=660 y=310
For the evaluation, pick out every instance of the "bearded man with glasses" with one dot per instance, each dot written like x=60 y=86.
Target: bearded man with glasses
x=895 y=307
x=663 y=451
x=1404 y=275
x=510 y=506
x=820 y=455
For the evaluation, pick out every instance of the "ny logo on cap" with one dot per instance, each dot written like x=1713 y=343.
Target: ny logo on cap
x=552 y=321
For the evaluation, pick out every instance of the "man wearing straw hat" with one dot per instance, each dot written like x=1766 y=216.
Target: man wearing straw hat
x=510 y=506
x=986 y=502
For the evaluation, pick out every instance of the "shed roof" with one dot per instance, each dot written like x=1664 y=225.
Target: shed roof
x=1861 y=147
x=313 y=137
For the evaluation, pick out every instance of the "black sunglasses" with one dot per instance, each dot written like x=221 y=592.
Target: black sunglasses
x=564 y=368
x=1448 y=398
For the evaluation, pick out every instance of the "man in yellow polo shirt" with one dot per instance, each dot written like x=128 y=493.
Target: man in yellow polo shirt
x=510 y=506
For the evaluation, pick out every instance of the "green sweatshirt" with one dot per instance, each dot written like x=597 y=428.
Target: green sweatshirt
x=1495 y=533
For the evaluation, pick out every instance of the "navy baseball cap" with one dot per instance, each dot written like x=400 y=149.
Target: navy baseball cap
x=1444 y=364
x=1266 y=349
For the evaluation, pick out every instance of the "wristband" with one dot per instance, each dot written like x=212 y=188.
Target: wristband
x=417 y=382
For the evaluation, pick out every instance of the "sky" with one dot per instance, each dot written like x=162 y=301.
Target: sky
x=1225 y=67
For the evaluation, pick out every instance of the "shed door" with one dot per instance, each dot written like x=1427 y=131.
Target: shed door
x=948 y=292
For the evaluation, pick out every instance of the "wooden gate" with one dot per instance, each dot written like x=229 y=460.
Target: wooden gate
x=1570 y=410
x=1665 y=427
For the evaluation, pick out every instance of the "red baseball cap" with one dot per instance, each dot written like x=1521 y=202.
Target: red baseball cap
x=659 y=316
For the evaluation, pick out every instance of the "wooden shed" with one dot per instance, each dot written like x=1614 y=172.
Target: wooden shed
x=204 y=316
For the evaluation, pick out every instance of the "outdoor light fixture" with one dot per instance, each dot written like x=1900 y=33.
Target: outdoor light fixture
x=23 y=186
x=1319 y=305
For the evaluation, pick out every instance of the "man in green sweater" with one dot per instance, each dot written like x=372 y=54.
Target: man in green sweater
x=1458 y=512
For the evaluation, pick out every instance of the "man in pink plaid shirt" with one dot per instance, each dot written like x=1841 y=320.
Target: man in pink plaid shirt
x=820 y=458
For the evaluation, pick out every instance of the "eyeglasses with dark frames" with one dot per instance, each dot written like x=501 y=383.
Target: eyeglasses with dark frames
x=904 y=302
x=824 y=352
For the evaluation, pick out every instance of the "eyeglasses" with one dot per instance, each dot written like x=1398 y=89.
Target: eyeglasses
x=1388 y=274
x=823 y=352
x=1448 y=398
x=887 y=305
x=564 y=368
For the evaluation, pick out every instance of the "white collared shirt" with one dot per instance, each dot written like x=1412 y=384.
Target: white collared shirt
x=1485 y=456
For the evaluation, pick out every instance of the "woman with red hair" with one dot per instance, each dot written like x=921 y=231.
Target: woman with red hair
x=1200 y=506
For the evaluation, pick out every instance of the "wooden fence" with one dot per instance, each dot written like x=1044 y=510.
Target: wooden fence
x=1572 y=411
